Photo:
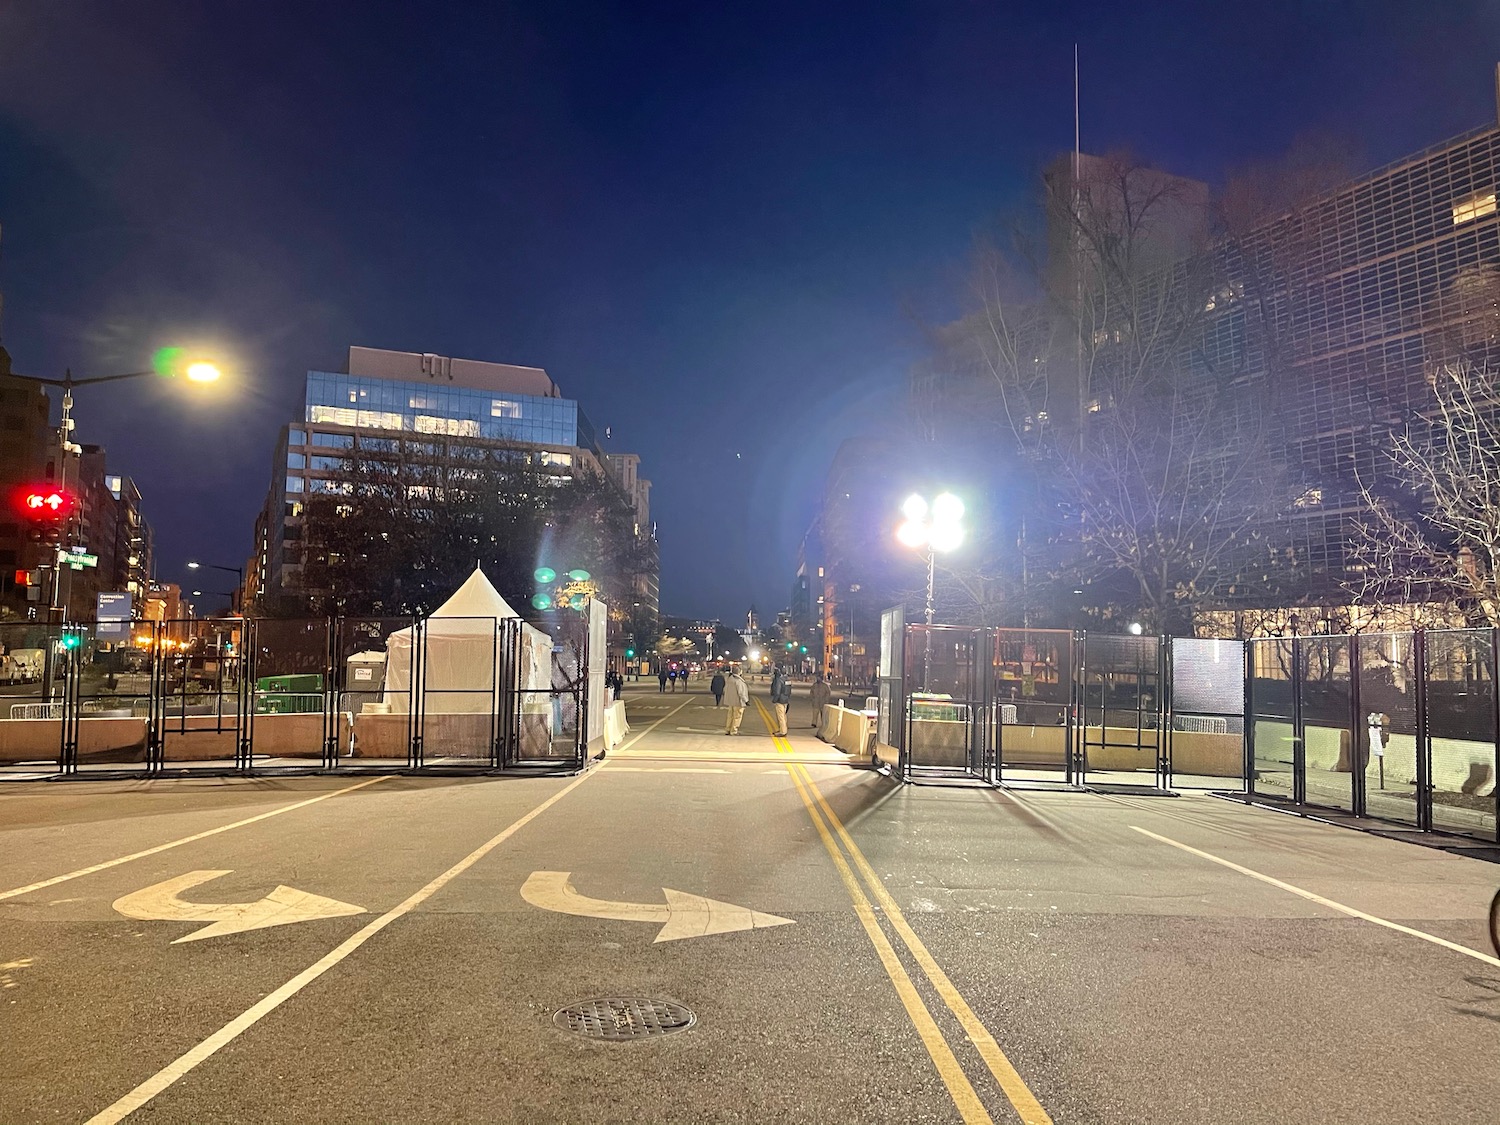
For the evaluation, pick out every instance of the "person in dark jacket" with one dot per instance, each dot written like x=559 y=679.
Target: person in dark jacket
x=781 y=696
x=661 y=678
x=716 y=685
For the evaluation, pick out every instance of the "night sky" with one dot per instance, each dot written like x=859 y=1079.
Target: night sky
x=720 y=227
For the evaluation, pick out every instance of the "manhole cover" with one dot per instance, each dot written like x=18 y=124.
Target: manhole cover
x=624 y=1017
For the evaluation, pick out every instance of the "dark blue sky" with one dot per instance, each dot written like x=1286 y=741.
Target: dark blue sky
x=710 y=223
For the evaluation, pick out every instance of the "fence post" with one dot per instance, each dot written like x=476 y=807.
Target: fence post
x=1299 y=745
x=1357 y=749
x=1247 y=739
x=1424 y=733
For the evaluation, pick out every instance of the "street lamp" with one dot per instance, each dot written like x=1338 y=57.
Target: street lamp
x=237 y=571
x=167 y=363
x=935 y=527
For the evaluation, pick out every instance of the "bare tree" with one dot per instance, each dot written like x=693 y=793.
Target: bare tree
x=1147 y=459
x=1429 y=543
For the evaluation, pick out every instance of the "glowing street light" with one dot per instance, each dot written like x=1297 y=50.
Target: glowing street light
x=934 y=526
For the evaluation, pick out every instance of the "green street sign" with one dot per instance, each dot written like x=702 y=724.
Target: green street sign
x=77 y=559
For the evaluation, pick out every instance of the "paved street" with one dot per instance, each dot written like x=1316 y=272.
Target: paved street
x=872 y=953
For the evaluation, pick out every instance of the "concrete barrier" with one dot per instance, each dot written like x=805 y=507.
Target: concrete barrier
x=616 y=724
x=101 y=741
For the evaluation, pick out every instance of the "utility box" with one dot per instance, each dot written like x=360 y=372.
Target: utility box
x=306 y=683
x=364 y=681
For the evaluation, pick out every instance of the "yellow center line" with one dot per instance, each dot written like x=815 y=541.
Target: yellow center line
x=970 y=1108
x=1005 y=1074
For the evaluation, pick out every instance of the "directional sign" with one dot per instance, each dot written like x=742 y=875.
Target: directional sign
x=682 y=916
x=78 y=559
x=281 y=907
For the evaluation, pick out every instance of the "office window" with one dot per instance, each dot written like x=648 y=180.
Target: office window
x=295 y=461
x=503 y=408
x=1472 y=207
x=454 y=427
x=328 y=464
x=295 y=436
x=333 y=441
x=293 y=484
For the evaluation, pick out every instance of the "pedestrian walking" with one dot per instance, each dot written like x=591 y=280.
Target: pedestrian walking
x=672 y=678
x=737 y=695
x=781 y=698
x=821 y=693
x=661 y=679
x=716 y=685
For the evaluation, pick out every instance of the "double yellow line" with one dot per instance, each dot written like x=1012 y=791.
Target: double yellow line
x=833 y=834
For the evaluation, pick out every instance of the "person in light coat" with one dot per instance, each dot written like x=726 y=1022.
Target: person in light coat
x=821 y=693
x=737 y=696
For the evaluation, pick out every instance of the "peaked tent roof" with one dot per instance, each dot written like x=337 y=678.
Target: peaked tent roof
x=475 y=598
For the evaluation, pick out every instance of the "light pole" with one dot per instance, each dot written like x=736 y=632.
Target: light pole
x=935 y=527
x=169 y=362
x=237 y=571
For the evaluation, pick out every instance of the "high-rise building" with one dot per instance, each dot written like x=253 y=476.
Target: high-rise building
x=459 y=404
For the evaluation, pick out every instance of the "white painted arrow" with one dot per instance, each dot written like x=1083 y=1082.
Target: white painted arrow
x=281 y=907
x=683 y=915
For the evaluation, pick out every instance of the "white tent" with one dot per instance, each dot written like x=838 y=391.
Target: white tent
x=463 y=654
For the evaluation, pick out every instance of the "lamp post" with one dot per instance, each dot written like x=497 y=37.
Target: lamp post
x=935 y=527
x=169 y=362
x=237 y=571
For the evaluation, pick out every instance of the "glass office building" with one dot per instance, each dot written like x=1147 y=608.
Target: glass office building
x=387 y=394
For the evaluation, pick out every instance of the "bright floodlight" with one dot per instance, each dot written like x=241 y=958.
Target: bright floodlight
x=911 y=534
x=947 y=508
x=946 y=537
x=194 y=565
x=1136 y=628
x=202 y=371
x=915 y=508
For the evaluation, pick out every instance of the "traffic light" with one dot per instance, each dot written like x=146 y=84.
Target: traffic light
x=71 y=638
x=630 y=654
x=44 y=503
x=804 y=650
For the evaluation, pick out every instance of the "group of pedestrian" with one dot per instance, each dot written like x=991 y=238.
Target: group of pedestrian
x=732 y=685
x=666 y=676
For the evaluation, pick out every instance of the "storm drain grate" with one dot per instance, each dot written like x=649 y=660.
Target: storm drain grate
x=624 y=1017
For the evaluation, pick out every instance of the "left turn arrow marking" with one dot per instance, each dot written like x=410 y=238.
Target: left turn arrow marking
x=281 y=907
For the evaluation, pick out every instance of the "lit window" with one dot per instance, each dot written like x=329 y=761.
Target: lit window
x=420 y=402
x=501 y=408
x=1311 y=498
x=454 y=427
x=1472 y=207
x=550 y=458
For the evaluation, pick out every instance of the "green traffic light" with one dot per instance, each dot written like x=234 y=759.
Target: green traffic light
x=629 y=652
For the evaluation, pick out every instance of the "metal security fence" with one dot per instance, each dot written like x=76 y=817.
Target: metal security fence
x=272 y=695
x=1394 y=727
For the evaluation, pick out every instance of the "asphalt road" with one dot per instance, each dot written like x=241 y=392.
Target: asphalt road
x=921 y=954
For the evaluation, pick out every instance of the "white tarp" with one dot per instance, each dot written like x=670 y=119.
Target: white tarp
x=463 y=654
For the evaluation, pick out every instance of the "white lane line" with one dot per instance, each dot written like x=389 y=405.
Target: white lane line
x=1328 y=902
x=169 y=1074
x=185 y=840
x=658 y=769
x=247 y=1019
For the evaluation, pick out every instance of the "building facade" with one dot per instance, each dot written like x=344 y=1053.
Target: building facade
x=438 y=401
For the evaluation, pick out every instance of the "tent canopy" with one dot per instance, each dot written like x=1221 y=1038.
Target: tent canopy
x=463 y=653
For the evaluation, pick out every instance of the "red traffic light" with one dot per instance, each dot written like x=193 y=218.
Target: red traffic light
x=44 y=502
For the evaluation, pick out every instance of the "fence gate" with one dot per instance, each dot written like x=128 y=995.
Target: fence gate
x=1031 y=726
x=1121 y=711
x=947 y=702
x=1205 y=726
x=200 y=701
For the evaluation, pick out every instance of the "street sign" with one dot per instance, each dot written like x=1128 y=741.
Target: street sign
x=112 y=612
x=77 y=559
